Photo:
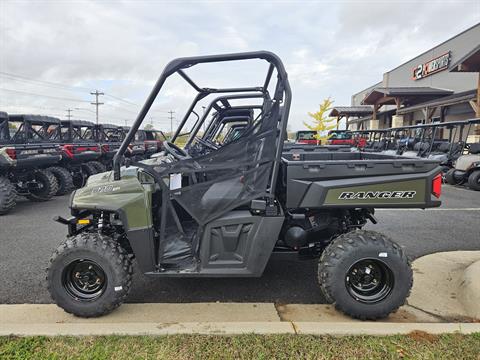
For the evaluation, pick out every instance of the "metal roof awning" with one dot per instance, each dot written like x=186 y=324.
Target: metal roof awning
x=408 y=95
x=354 y=111
x=369 y=117
x=468 y=63
x=459 y=98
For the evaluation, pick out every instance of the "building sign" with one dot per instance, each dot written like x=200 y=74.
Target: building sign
x=431 y=67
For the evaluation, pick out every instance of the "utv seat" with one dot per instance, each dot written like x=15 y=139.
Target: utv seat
x=443 y=147
x=221 y=192
x=474 y=148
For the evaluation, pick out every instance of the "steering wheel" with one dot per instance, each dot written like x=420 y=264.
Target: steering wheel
x=174 y=150
x=206 y=143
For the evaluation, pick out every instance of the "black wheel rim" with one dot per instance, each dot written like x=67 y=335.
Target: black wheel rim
x=84 y=280
x=41 y=186
x=369 y=281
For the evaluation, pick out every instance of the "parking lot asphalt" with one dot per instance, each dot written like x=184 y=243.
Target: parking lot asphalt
x=28 y=236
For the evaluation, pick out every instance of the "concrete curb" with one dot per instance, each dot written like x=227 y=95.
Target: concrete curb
x=203 y=318
x=235 y=328
x=446 y=285
x=470 y=290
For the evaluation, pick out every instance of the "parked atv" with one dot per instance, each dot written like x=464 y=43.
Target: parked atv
x=224 y=213
x=152 y=140
x=467 y=169
x=136 y=149
x=81 y=151
x=306 y=137
x=25 y=163
x=109 y=138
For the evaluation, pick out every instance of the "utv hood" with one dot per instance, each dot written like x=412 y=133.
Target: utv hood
x=465 y=161
x=127 y=197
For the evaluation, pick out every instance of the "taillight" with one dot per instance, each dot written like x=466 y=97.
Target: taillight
x=437 y=186
x=12 y=153
x=105 y=148
x=68 y=149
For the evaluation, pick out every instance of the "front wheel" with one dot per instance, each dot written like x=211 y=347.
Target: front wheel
x=474 y=180
x=89 y=275
x=365 y=274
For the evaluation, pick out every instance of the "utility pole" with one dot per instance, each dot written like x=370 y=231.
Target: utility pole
x=171 y=112
x=125 y=122
x=96 y=103
x=69 y=114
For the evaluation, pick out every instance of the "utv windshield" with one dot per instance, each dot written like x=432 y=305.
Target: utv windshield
x=339 y=135
x=306 y=135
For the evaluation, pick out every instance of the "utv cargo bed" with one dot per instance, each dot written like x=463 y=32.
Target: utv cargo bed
x=339 y=179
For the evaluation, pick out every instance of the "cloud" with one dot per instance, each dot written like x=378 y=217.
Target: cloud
x=329 y=49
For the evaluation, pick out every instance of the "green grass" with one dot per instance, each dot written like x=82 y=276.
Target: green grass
x=413 y=346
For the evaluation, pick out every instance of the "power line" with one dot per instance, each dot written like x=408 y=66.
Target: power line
x=96 y=103
x=59 y=86
x=123 y=100
x=42 y=95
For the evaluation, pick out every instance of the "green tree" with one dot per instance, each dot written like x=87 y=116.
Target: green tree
x=321 y=122
x=148 y=127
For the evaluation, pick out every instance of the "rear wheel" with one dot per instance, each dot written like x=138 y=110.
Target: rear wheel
x=46 y=186
x=7 y=195
x=450 y=177
x=365 y=274
x=474 y=180
x=99 y=167
x=64 y=179
x=89 y=275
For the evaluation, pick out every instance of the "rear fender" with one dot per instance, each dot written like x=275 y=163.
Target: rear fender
x=409 y=191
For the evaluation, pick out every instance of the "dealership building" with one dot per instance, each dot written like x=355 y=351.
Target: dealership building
x=439 y=85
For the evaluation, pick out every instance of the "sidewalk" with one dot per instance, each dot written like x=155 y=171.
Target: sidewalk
x=445 y=299
x=447 y=284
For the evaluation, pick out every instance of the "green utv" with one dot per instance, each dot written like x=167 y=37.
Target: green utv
x=224 y=212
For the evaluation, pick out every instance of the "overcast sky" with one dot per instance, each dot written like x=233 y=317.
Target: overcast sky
x=329 y=49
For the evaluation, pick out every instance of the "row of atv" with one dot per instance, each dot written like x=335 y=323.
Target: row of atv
x=43 y=156
x=444 y=142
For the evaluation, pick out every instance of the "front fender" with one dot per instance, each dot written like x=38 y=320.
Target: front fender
x=127 y=197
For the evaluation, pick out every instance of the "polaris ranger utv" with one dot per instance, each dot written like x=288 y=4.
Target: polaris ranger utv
x=223 y=213
x=24 y=161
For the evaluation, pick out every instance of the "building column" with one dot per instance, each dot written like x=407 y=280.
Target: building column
x=375 y=123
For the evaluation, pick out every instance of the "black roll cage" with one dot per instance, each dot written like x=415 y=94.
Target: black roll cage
x=228 y=114
x=429 y=132
x=282 y=95
x=223 y=100
x=27 y=123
